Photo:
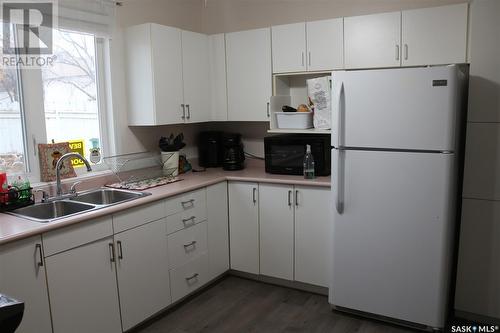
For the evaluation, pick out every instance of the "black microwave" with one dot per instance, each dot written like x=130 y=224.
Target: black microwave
x=285 y=153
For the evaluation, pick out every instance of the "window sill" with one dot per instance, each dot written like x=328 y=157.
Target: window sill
x=82 y=177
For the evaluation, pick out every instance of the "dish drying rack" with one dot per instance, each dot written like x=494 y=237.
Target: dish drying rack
x=139 y=171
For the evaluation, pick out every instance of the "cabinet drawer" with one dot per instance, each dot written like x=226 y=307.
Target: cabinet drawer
x=187 y=218
x=186 y=202
x=82 y=233
x=187 y=244
x=137 y=216
x=189 y=277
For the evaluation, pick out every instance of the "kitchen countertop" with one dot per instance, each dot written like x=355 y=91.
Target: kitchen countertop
x=14 y=228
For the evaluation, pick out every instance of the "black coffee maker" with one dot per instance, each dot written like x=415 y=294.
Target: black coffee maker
x=210 y=150
x=234 y=156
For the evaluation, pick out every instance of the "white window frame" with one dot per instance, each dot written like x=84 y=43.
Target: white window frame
x=32 y=100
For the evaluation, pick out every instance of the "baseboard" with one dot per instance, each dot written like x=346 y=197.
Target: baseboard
x=477 y=318
x=282 y=282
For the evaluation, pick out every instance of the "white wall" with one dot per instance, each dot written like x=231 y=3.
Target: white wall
x=478 y=282
x=233 y=15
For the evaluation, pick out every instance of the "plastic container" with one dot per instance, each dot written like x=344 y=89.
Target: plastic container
x=294 y=120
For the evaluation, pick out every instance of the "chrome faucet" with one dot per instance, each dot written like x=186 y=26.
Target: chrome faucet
x=59 y=192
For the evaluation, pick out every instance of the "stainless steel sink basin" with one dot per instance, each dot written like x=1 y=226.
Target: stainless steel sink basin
x=47 y=212
x=107 y=196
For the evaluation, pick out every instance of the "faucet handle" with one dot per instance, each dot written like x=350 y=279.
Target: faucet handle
x=45 y=195
x=72 y=190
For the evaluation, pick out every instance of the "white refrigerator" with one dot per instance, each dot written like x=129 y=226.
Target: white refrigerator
x=395 y=142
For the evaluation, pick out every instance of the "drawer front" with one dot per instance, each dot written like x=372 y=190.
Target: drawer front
x=134 y=217
x=187 y=218
x=189 y=277
x=186 y=202
x=82 y=233
x=187 y=244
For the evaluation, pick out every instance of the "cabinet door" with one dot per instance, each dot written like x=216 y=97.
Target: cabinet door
x=244 y=226
x=372 y=40
x=218 y=233
x=167 y=74
x=289 y=47
x=22 y=276
x=276 y=230
x=142 y=271
x=434 y=36
x=249 y=88
x=196 y=76
x=82 y=288
x=313 y=235
x=325 y=45
x=217 y=57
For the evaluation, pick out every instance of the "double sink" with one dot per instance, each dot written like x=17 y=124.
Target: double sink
x=80 y=203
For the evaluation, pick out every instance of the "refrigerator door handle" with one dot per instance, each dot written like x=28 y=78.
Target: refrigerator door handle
x=338 y=179
x=338 y=115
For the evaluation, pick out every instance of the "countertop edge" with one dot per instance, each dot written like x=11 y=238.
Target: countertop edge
x=40 y=228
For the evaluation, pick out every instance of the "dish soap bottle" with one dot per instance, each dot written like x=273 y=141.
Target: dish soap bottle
x=308 y=164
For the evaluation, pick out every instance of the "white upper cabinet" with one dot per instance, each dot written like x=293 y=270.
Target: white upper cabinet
x=372 y=40
x=311 y=46
x=289 y=48
x=249 y=76
x=154 y=65
x=217 y=58
x=434 y=36
x=325 y=44
x=168 y=76
x=196 y=76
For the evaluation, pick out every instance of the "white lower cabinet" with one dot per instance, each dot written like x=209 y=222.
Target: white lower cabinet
x=218 y=229
x=313 y=235
x=142 y=272
x=276 y=230
x=22 y=276
x=189 y=277
x=244 y=226
x=83 y=290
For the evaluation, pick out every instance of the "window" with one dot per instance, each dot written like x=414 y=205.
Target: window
x=62 y=103
x=12 y=152
x=70 y=90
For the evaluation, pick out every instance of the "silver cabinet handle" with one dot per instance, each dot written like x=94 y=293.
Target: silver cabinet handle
x=309 y=58
x=254 y=195
x=290 y=198
x=189 y=219
x=193 y=243
x=111 y=252
x=38 y=248
x=268 y=109
x=296 y=197
x=189 y=202
x=194 y=276
x=183 y=111
x=406 y=51
x=188 y=111
x=397 y=51
x=120 y=250
x=302 y=59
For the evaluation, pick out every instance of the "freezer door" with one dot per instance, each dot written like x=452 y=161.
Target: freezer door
x=409 y=108
x=393 y=226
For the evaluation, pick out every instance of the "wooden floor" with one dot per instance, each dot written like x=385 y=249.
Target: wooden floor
x=239 y=305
